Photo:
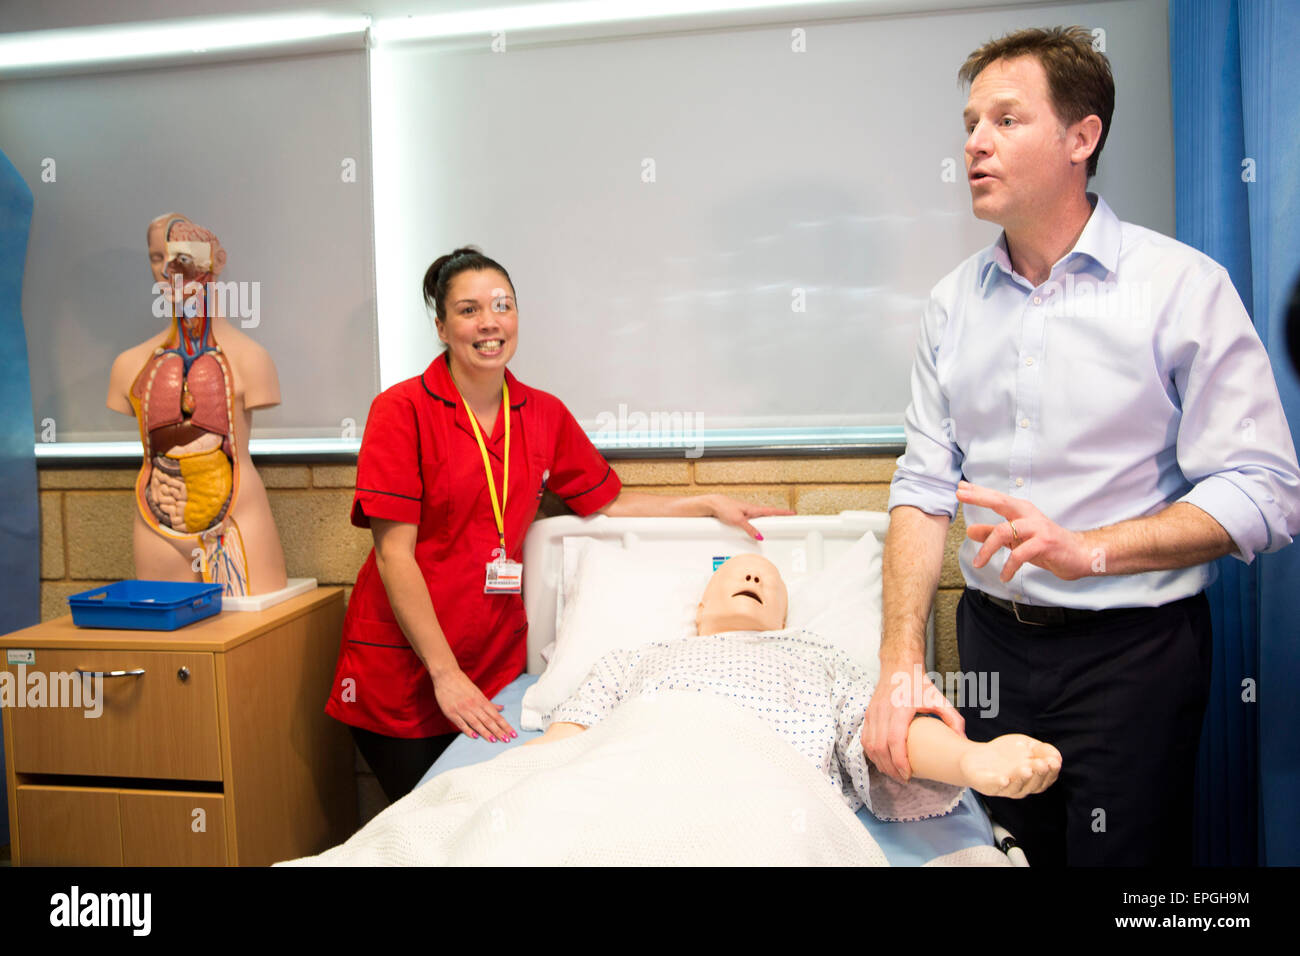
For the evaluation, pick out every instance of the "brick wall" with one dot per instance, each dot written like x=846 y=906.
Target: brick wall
x=86 y=517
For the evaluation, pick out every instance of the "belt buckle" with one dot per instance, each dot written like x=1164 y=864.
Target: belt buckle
x=1015 y=608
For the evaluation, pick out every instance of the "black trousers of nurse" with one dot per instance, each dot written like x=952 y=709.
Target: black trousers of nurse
x=1121 y=695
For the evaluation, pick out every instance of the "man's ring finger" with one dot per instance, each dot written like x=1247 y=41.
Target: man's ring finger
x=1014 y=534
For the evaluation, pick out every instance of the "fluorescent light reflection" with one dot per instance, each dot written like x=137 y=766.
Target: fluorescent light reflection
x=576 y=13
x=141 y=41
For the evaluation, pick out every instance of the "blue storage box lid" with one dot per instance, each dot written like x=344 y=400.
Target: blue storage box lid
x=144 y=594
x=145 y=605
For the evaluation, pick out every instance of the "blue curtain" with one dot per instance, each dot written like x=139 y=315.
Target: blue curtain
x=1237 y=194
x=20 y=557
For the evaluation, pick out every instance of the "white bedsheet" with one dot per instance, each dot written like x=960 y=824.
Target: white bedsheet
x=626 y=792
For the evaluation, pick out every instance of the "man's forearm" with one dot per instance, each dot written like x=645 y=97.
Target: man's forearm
x=913 y=560
x=1180 y=536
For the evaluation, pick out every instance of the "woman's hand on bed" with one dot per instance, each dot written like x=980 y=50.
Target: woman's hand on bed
x=466 y=706
x=639 y=504
x=737 y=513
x=1012 y=765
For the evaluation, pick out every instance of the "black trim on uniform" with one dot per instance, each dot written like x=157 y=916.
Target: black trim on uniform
x=376 y=491
x=448 y=402
x=395 y=647
x=608 y=469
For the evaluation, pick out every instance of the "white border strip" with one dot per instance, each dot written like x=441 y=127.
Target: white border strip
x=147 y=44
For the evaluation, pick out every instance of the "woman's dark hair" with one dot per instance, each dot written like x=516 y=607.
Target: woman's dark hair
x=445 y=268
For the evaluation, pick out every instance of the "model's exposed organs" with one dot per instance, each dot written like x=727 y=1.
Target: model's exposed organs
x=183 y=397
x=188 y=421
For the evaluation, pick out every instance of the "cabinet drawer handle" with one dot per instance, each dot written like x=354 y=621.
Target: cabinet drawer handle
x=138 y=672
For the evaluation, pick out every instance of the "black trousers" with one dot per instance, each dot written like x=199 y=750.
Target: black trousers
x=399 y=762
x=1122 y=697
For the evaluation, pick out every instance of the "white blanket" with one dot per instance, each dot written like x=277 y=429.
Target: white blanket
x=681 y=778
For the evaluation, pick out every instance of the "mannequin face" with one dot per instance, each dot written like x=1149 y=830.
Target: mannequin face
x=481 y=324
x=157 y=251
x=745 y=594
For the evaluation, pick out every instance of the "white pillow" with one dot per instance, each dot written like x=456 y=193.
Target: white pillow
x=612 y=599
x=653 y=599
x=841 y=604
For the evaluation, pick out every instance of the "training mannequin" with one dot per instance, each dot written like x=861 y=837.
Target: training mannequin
x=202 y=511
x=746 y=594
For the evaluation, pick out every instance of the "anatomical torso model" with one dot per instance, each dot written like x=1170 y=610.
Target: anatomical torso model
x=202 y=512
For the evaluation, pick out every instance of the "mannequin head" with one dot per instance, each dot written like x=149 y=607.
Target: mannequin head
x=745 y=594
x=156 y=236
x=174 y=229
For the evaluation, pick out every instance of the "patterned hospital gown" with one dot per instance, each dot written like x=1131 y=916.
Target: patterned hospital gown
x=809 y=692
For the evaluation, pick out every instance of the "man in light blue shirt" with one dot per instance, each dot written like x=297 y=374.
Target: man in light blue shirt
x=1094 y=393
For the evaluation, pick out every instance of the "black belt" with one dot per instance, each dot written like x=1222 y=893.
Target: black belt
x=1041 y=616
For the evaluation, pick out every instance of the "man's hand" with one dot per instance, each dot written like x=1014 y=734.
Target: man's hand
x=1032 y=537
x=901 y=694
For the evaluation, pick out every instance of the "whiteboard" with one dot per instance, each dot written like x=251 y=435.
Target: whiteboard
x=772 y=271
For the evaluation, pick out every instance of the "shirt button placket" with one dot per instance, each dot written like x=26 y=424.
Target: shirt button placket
x=1026 y=393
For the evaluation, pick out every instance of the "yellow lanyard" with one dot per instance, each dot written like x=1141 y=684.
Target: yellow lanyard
x=498 y=506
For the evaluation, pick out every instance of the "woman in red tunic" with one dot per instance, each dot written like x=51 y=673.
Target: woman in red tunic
x=435 y=626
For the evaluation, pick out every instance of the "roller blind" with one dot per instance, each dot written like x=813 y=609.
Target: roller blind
x=738 y=227
x=272 y=155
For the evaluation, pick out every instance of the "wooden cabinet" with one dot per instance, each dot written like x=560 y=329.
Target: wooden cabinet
x=209 y=747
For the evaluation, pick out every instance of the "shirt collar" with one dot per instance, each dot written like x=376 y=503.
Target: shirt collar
x=438 y=383
x=1099 y=241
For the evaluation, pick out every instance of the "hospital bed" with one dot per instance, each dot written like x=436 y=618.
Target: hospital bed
x=800 y=546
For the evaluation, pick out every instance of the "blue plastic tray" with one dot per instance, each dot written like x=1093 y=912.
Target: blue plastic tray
x=145 y=605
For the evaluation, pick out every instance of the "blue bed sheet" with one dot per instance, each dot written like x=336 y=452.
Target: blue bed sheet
x=904 y=844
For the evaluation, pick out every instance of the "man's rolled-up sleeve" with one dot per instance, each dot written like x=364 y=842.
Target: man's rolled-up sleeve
x=1234 y=443
x=929 y=469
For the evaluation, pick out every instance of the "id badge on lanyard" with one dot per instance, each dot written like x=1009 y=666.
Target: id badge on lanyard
x=503 y=575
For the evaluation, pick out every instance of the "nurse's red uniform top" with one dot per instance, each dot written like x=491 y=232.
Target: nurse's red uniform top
x=420 y=464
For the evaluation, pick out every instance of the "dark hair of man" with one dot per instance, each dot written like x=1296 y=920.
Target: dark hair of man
x=1078 y=77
